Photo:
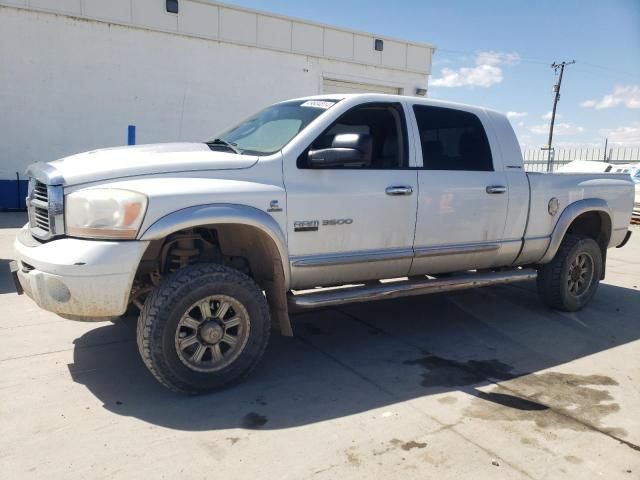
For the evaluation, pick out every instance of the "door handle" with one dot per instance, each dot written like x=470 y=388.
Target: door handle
x=399 y=190
x=496 y=189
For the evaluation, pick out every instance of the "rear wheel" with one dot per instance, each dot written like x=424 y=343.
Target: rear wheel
x=202 y=328
x=571 y=279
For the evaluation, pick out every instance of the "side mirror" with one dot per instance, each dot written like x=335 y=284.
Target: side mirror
x=347 y=150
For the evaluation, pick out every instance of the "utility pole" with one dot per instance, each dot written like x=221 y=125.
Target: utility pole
x=556 y=89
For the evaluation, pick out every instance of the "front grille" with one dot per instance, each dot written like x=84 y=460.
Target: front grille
x=40 y=207
x=40 y=192
x=41 y=218
x=45 y=210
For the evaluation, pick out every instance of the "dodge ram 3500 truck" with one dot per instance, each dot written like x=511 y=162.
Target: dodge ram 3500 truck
x=216 y=242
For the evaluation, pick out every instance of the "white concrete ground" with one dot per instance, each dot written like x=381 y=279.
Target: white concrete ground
x=478 y=384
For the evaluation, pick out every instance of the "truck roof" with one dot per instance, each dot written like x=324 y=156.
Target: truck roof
x=389 y=97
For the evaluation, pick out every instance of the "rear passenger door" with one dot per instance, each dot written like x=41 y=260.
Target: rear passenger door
x=462 y=202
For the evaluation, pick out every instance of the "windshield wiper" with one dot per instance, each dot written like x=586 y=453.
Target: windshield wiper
x=223 y=143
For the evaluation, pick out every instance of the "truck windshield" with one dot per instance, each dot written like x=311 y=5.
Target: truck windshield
x=269 y=130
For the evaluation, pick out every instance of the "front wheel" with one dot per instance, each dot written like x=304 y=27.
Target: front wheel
x=571 y=279
x=204 y=327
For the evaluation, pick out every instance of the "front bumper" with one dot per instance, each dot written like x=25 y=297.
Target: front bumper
x=78 y=278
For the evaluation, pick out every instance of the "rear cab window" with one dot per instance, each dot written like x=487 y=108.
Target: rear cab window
x=452 y=139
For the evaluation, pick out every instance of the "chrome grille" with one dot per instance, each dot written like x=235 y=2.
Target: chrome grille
x=41 y=218
x=45 y=209
x=40 y=192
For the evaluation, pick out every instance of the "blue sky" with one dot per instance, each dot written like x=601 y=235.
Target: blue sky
x=497 y=54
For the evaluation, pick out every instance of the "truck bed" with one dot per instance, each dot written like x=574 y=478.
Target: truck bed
x=615 y=189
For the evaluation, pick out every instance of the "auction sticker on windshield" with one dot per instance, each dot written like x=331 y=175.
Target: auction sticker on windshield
x=318 y=104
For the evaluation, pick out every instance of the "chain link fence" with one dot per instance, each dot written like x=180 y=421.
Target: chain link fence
x=535 y=160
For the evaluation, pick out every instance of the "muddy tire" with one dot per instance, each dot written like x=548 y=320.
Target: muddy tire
x=571 y=279
x=203 y=328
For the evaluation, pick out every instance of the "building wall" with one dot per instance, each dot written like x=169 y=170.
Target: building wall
x=73 y=82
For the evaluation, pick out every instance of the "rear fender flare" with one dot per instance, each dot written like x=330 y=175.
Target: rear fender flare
x=568 y=215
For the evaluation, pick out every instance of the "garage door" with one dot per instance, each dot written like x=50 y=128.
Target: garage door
x=339 y=86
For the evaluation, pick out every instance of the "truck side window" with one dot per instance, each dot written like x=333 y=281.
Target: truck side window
x=452 y=140
x=385 y=122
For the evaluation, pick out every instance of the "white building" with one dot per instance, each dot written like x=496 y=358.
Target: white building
x=75 y=73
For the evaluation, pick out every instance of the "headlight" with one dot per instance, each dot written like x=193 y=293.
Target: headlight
x=104 y=213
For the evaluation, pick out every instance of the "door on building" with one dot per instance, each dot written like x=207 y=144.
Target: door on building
x=341 y=86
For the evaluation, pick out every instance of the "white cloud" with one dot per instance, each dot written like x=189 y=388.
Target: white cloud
x=437 y=61
x=547 y=116
x=497 y=58
x=627 y=95
x=516 y=114
x=539 y=129
x=480 y=76
x=527 y=141
x=629 y=135
x=562 y=128
x=486 y=73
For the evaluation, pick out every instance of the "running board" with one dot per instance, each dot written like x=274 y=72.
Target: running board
x=389 y=290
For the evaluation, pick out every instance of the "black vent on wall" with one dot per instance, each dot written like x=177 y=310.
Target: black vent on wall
x=378 y=45
x=172 y=6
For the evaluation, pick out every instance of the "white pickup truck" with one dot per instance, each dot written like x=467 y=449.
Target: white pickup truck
x=216 y=242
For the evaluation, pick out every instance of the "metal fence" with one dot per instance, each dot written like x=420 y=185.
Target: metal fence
x=535 y=160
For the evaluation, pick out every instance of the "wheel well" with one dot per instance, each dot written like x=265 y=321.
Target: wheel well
x=252 y=244
x=243 y=247
x=595 y=225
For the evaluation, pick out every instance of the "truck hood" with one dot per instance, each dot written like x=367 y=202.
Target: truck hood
x=122 y=162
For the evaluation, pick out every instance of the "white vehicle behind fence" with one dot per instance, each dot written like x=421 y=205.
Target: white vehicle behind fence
x=633 y=169
x=216 y=242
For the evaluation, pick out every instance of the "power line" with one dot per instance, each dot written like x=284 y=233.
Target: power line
x=556 y=88
x=602 y=67
x=537 y=60
x=595 y=69
x=604 y=70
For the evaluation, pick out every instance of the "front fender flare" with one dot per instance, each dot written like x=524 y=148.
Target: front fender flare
x=213 y=214
x=568 y=215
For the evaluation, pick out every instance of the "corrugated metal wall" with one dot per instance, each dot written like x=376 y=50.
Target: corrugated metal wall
x=81 y=71
x=211 y=20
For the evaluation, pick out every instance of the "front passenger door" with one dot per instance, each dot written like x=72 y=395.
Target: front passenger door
x=353 y=223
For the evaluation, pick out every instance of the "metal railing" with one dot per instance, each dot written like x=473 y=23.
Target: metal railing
x=535 y=160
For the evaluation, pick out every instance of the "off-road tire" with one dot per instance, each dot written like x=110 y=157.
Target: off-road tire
x=165 y=306
x=553 y=277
